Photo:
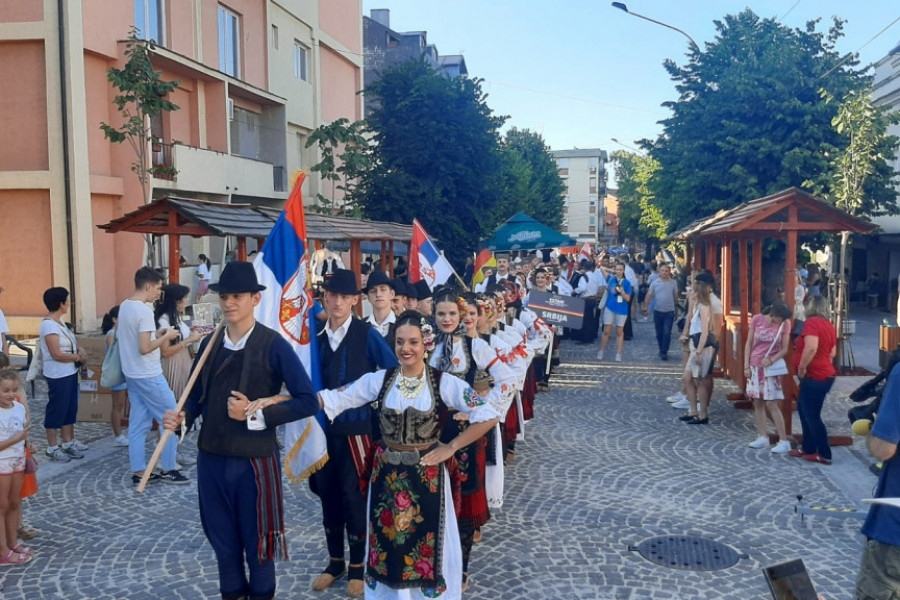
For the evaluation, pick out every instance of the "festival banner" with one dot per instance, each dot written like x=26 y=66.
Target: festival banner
x=426 y=261
x=283 y=267
x=565 y=311
x=586 y=252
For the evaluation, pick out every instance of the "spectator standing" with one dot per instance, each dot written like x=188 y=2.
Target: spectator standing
x=699 y=328
x=663 y=294
x=617 y=309
x=632 y=277
x=13 y=437
x=148 y=389
x=767 y=341
x=813 y=352
x=119 y=392
x=176 y=355
x=62 y=360
x=799 y=302
x=204 y=275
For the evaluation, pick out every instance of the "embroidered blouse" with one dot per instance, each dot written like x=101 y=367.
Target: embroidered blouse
x=486 y=359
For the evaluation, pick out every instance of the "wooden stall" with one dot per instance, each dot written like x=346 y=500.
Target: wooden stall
x=730 y=244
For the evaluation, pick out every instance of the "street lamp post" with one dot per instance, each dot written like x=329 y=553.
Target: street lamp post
x=621 y=6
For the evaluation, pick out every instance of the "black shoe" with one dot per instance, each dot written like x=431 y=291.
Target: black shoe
x=664 y=357
x=698 y=421
x=174 y=477
x=136 y=479
x=687 y=417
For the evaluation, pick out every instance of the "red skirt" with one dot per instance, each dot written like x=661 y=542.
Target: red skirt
x=474 y=506
x=528 y=394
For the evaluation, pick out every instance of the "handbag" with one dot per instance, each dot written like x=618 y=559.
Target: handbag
x=31 y=465
x=111 y=373
x=779 y=367
x=36 y=368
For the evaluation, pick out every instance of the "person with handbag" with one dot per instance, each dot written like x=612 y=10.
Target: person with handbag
x=764 y=365
x=119 y=391
x=61 y=359
x=701 y=360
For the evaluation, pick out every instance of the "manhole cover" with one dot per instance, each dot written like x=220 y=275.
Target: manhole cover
x=687 y=552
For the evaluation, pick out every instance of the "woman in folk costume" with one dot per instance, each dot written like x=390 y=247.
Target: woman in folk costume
x=414 y=549
x=477 y=363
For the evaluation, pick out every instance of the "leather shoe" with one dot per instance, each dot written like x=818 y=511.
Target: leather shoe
x=687 y=417
x=698 y=421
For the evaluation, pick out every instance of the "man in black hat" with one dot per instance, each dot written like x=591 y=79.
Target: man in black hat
x=348 y=349
x=423 y=295
x=380 y=291
x=239 y=471
x=502 y=273
x=398 y=303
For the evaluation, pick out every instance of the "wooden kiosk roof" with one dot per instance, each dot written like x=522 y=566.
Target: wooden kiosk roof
x=737 y=236
x=174 y=216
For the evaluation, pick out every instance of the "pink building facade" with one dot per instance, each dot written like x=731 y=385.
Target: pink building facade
x=255 y=80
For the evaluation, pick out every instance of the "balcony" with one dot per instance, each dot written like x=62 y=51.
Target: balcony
x=210 y=172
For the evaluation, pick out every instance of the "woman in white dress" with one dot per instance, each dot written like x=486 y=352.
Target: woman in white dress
x=413 y=545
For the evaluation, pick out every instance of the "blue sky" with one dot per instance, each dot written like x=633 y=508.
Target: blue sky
x=581 y=72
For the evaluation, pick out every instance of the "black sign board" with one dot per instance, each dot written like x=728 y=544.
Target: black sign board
x=564 y=311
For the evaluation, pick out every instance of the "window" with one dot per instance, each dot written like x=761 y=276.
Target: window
x=593 y=184
x=245 y=133
x=593 y=200
x=593 y=220
x=593 y=164
x=301 y=148
x=229 y=43
x=148 y=19
x=275 y=36
x=300 y=61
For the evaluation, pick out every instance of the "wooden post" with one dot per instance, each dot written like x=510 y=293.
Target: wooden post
x=744 y=290
x=390 y=263
x=757 y=276
x=174 y=244
x=355 y=264
x=383 y=254
x=790 y=278
x=711 y=255
x=726 y=276
x=242 y=248
x=688 y=255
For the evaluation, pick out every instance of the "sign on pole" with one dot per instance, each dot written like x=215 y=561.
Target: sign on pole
x=564 y=311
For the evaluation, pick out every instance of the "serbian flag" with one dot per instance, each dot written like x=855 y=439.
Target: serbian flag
x=484 y=259
x=283 y=267
x=426 y=261
x=586 y=252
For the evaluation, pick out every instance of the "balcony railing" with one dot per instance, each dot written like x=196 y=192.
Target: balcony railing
x=163 y=165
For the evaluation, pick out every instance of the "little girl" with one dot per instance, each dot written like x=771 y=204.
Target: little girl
x=13 y=435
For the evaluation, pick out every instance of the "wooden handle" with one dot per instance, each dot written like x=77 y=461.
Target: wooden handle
x=178 y=407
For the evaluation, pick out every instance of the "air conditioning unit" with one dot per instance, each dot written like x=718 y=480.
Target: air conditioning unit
x=230 y=109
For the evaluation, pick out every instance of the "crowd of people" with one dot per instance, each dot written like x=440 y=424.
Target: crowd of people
x=426 y=397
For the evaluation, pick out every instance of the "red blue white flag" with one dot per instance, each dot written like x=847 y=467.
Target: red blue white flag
x=286 y=306
x=426 y=261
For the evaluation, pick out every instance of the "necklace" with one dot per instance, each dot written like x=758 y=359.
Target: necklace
x=410 y=387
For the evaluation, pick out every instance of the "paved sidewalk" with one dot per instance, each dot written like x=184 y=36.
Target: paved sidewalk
x=606 y=464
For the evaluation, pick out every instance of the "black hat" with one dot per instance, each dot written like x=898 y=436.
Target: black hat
x=342 y=281
x=379 y=278
x=401 y=289
x=238 y=277
x=422 y=289
x=705 y=277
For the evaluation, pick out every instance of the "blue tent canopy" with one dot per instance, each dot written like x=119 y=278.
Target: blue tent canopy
x=521 y=232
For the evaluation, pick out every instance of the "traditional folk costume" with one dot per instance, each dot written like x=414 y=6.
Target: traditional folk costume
x=474 y=361
x=341 y=483
x=413 y=548
x=238 y=469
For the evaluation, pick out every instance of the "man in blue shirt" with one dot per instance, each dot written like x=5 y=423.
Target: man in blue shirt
x=879 y=574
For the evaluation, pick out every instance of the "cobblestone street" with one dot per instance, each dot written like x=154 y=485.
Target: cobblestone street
x=605 y=465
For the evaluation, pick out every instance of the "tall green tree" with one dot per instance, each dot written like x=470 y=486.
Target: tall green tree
x=529 y=179
x=640 y=219
x=749 y=119
x=435 y=156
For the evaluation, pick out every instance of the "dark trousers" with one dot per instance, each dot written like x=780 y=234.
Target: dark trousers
x=663 y=321
x=809 y=406
x=343 y=504
x=588 y=332
x=227 y=489
x=627 y=329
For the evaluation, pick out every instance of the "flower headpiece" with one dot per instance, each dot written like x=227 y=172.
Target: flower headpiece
x=486 y=306
x=427 y=334
x=462 y=305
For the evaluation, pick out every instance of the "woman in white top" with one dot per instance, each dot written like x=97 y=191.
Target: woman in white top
x=203 y=272
x=413 y=544
x=176 y=355
x=62 y=359
x=702 y=357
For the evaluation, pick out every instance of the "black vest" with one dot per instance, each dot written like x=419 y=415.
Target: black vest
x=345 y=365
x=248 y=372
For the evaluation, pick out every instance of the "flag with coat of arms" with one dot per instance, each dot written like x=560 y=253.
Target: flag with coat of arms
x=426 y=261
x=286 y=306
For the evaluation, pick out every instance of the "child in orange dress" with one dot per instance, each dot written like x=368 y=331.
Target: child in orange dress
x=13 y=434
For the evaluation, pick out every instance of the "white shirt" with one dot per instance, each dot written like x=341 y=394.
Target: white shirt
x=595 y=283
x=4 y=326
x=564 y=287
x=238 y=345
x=382 y=327
x=183 y=329
x=631 y=276
x=12 y=421
x=67 y=345
x=337 y=336
x=135 y=318
x=203 y=271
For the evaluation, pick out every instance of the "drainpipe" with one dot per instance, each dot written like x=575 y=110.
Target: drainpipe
x=64 y=100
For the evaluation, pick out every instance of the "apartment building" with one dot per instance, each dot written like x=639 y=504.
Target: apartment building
x=584 y=174
x=255 y=78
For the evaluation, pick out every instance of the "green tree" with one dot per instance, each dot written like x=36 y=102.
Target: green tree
x=346 y=157
x=529 y=179
x=640 y=219
x=141 y=95
x=435 y=156
x=749 y=119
